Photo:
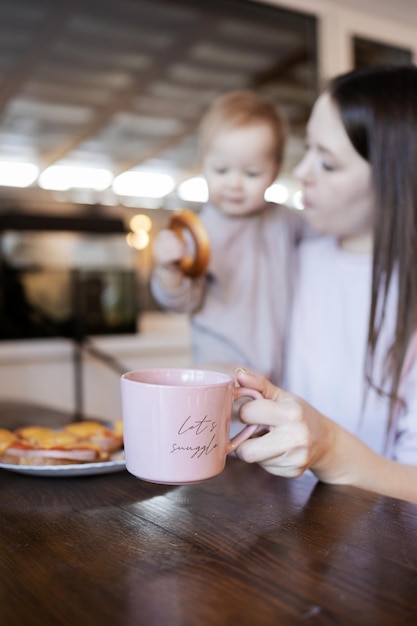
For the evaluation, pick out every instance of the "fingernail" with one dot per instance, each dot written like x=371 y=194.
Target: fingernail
x=242 y=369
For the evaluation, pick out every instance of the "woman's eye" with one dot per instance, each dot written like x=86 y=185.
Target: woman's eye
x=252 y=174
x=327 y=167
x=220 y=170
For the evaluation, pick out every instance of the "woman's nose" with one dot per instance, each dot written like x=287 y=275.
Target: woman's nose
x=302 y=170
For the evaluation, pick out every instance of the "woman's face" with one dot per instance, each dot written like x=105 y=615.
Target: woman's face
x=337 y=187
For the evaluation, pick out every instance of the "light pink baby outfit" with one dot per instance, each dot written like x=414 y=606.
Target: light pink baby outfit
x=239 y=310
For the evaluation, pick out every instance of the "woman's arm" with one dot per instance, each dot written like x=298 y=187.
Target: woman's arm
x=302 y=438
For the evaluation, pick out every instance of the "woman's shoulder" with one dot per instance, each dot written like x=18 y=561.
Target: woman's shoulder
x=289 y=221
x=272 y=210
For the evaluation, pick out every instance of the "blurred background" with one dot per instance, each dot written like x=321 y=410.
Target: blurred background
x=99 y=103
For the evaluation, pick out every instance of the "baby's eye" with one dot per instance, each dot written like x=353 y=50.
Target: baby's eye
x=252 y=174
x=220 y=170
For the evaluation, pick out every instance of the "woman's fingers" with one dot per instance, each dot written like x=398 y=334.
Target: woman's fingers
x=286 y=449
x=259 y=383
x=277 y=453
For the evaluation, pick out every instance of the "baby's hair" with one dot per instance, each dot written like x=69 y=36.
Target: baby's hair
x=242 y=109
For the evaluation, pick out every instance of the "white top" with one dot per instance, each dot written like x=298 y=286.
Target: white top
x=327 y=347
x=239 y=308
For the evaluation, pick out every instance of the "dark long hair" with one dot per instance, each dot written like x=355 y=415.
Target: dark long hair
x=378 y=107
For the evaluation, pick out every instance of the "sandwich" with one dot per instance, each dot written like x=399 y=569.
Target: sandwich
x=107 y=439
x=38 y=445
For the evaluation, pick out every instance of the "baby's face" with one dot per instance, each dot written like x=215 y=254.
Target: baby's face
x=239 y=166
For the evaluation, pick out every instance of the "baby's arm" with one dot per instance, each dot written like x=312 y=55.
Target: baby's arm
x=170 y=287
x=168 y=249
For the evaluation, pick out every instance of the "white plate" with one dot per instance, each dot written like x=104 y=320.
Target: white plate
x=79 y=469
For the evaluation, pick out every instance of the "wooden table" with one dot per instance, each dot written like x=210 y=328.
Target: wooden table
x=244 y=548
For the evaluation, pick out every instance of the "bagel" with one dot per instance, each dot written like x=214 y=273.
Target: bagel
x=192 y=265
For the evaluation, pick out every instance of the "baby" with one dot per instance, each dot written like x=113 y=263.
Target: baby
x=238 y=308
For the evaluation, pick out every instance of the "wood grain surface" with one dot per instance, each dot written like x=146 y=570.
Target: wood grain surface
x=244 y=548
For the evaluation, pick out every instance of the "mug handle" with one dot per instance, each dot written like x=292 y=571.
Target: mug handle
x=248 y=431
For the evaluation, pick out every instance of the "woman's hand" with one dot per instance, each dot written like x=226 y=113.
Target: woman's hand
x=299 y=437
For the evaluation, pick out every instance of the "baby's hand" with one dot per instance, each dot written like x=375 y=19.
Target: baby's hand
x=167 y=248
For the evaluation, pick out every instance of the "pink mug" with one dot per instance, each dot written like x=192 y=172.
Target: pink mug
x=176 y=423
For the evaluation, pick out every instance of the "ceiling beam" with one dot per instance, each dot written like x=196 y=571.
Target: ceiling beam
x=162 y=61
x=26 y=65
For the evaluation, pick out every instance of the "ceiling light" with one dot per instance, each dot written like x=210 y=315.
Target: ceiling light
x=140 y=222
x=143 y=184
x=193 y=190
x=138 y=240
x=277 y=193
x=64 y=177
x=297 y=200
x=13 y=174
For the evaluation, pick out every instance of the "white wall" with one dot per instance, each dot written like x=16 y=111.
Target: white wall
x=394 y=23
x=42 y=371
